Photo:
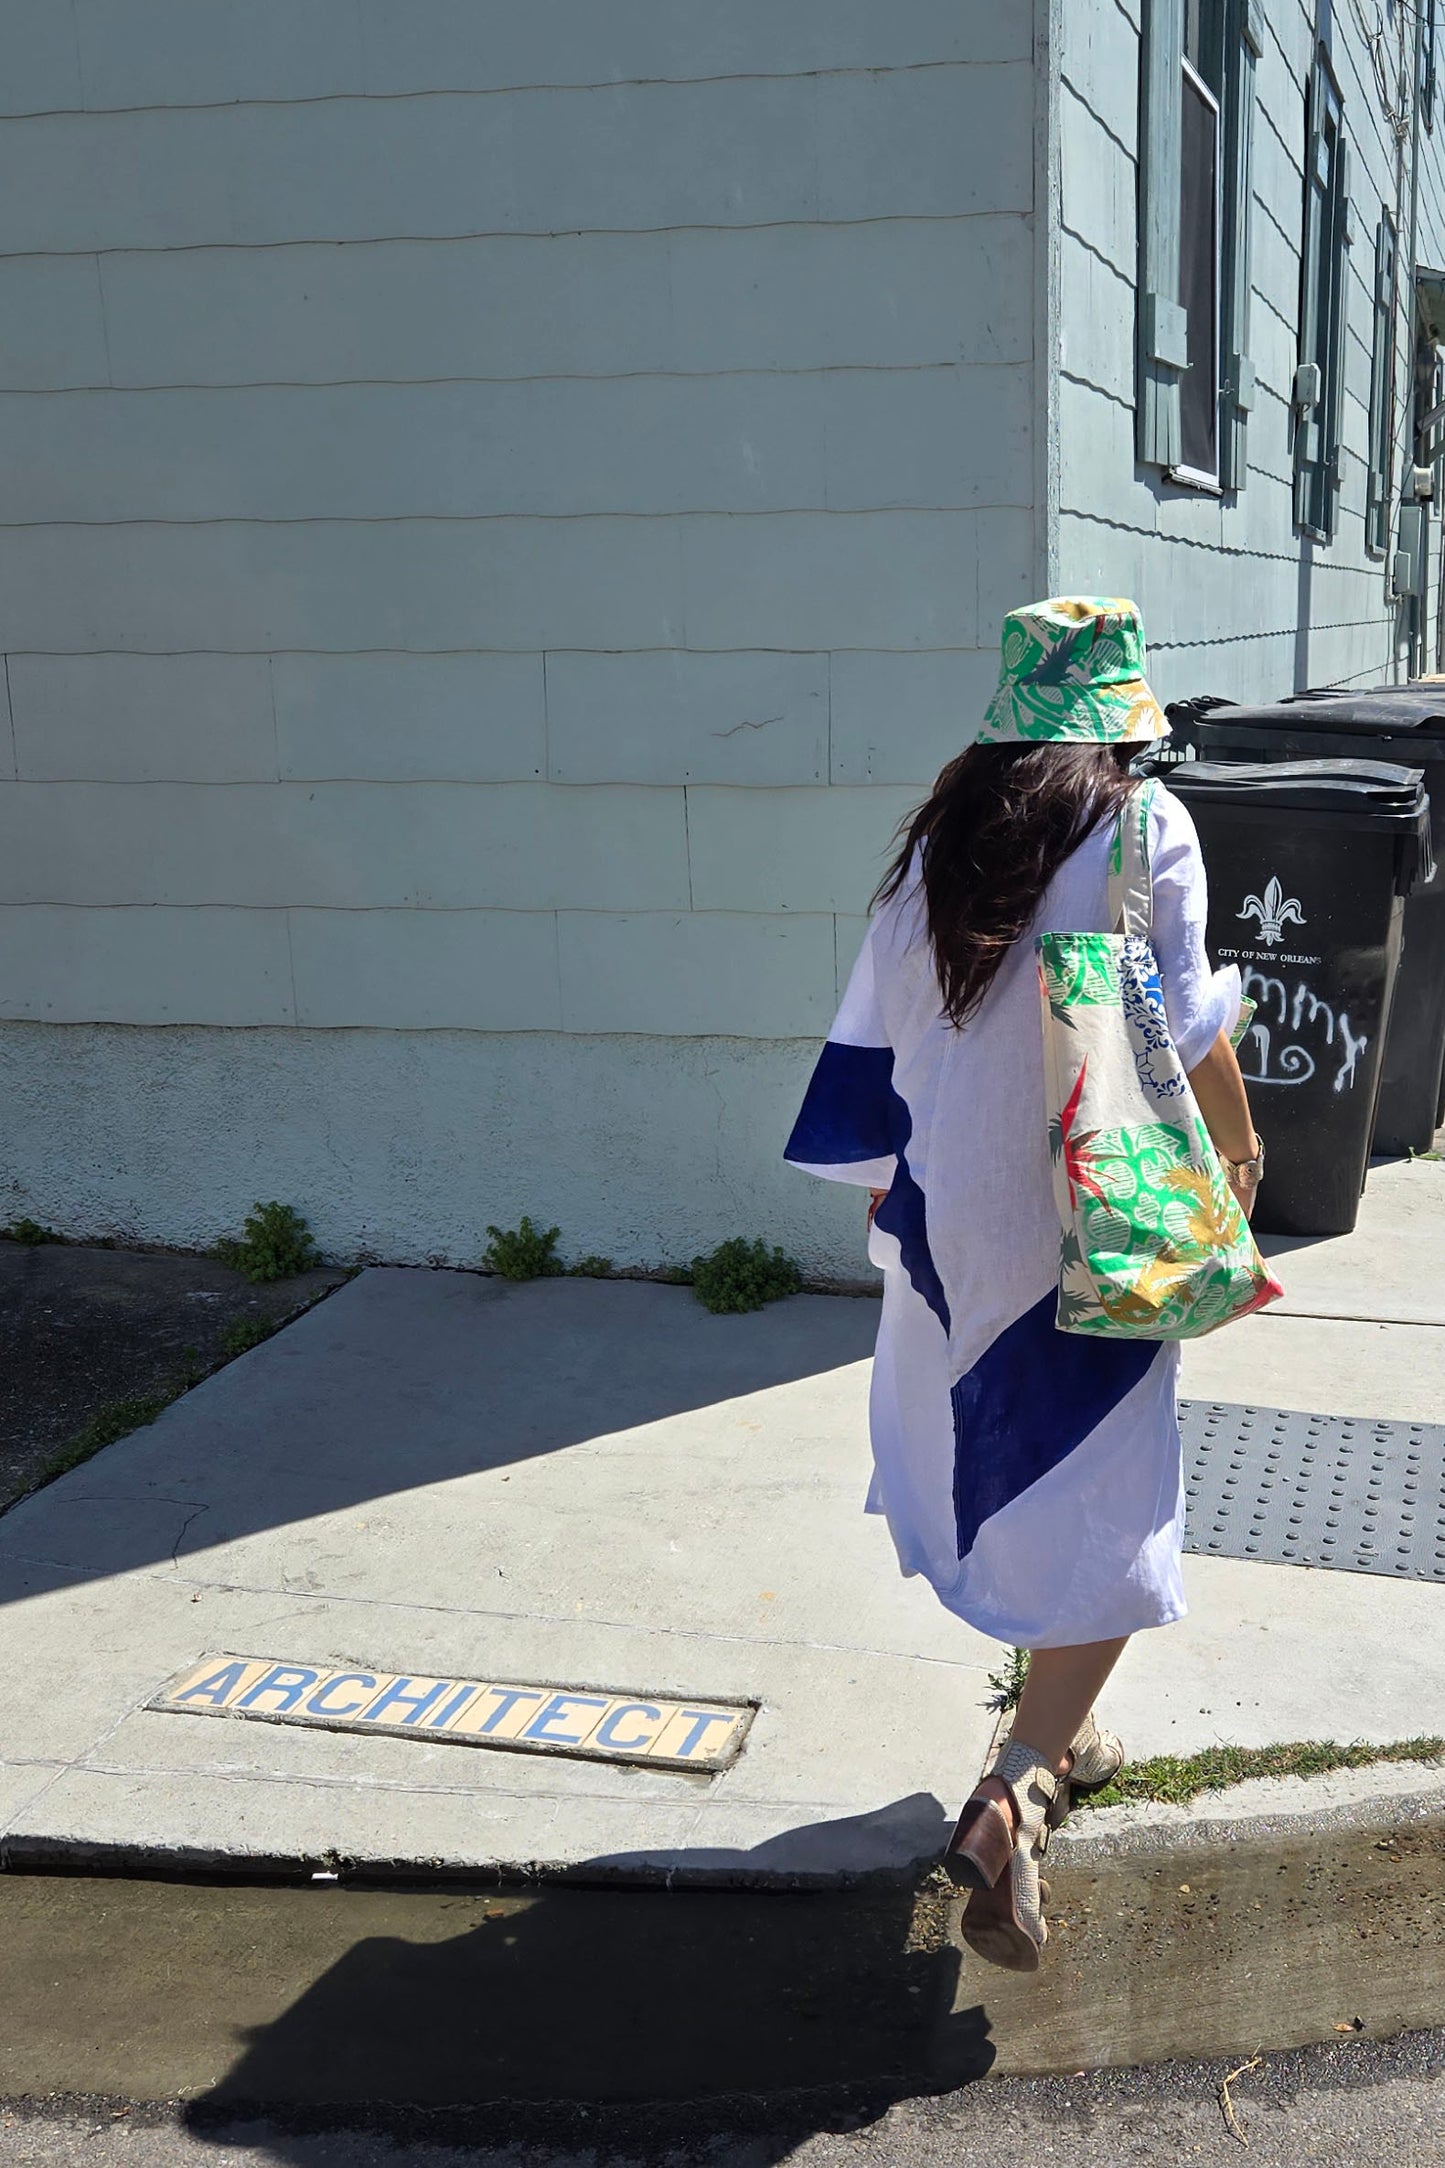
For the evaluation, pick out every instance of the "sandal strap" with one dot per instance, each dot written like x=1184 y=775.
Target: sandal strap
x=1095 y=1757
x=1036 y=1792
x=1020 y=1764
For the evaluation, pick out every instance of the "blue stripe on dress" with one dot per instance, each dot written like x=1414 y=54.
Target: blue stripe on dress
x=852 y=1112
x=1032 y=1396
x=903 y=1213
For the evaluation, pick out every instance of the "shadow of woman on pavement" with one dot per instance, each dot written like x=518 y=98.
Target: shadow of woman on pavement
x=568 y=2011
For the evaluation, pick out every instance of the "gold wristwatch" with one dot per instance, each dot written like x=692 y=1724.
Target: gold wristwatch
x=1246 y=1173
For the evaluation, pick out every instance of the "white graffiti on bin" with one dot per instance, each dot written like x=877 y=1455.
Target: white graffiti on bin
x=1279 y=1009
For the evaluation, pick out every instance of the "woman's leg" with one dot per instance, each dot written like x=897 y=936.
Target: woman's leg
x=1058 y=1694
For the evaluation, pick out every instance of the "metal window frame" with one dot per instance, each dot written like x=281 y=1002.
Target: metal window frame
x=1198 y=477
x=1426 y=10
x=1160 y=351
x=1384 y=367
x=1324 y=283
x=1242 y=45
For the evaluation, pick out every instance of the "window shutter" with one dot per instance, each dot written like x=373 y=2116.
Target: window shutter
x=1161 y=321
x=1244 y=42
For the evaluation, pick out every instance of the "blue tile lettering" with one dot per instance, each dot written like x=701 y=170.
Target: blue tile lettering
x=507 y=1698
x=290 y=1681
x=458 y=1702
x=556 y=1711
x=702 y=1721
x=321 y=1704
x=406 y=1695
x=215 y=1686
x=607 y=1729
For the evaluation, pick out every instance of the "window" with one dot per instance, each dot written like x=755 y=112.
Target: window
x=1199 y=276
x=1381 y=477
x=1196 y=383
x=1318 y=379
x=1427 y=62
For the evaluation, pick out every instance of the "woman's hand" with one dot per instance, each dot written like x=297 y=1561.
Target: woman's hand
x=875 y=1198
x=1244 y=1194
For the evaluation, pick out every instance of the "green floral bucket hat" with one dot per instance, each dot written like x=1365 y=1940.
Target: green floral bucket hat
x=1073 y=669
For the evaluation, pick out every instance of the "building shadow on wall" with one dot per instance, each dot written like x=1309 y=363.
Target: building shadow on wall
x=582 y=2014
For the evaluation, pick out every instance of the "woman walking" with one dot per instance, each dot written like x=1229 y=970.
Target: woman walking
x=1032 y=1475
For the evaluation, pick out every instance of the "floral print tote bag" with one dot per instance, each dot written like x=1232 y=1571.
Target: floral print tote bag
x=1154 y=1244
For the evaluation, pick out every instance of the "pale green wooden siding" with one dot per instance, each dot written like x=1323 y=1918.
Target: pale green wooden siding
x=1236 y=600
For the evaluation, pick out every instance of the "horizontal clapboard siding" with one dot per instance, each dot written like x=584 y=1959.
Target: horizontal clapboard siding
x=93 y=55
x=505 y=507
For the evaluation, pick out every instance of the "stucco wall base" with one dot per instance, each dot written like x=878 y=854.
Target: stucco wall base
x=403 y=1146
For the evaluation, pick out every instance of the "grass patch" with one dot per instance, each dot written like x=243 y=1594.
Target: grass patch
x=591 y=1268
x=1176 y=1779
x=116 y=1420
x=245 y=1332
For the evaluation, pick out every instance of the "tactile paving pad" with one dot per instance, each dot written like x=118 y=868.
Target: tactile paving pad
x=1314 y=1490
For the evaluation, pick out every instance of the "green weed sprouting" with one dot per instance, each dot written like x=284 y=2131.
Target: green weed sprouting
x=275 y=1245
x=741 y=1275
x=1008 y=1684
x=31 y=1231
x=523 y=1252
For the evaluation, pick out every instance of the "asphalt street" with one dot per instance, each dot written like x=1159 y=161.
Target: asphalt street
x=1347 y=2103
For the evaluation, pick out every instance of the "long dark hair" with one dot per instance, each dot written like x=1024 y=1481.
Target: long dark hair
x=1000 y=822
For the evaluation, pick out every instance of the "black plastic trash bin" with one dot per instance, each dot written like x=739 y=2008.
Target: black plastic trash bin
x=1402 y=724
x=1309 y=865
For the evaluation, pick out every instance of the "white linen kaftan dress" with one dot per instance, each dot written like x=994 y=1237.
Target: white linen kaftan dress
x=1033 y=1477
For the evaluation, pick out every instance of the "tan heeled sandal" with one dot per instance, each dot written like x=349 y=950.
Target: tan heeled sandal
x=982 y=1845
x=1096 y=1757
x=1003 y=1921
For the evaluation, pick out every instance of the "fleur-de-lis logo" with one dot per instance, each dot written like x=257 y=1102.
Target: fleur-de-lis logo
x=1274 y=910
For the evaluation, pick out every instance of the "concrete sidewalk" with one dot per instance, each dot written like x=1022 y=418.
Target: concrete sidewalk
x=602 y=1487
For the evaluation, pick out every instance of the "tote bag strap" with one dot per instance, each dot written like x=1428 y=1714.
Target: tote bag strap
x=1131 y=900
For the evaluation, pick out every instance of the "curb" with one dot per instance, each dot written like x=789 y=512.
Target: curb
x=1267 y=1930
x=1217 y=1937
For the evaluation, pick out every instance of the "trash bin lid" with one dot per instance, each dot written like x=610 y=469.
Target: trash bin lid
x=1335 y=793
x=1374 y=792
x=1379 y=710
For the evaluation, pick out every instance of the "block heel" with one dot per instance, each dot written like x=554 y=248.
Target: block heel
x=981 y=1846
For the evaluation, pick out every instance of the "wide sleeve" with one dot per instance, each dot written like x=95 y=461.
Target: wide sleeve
x=848 y=1128
x=1198 y=1001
